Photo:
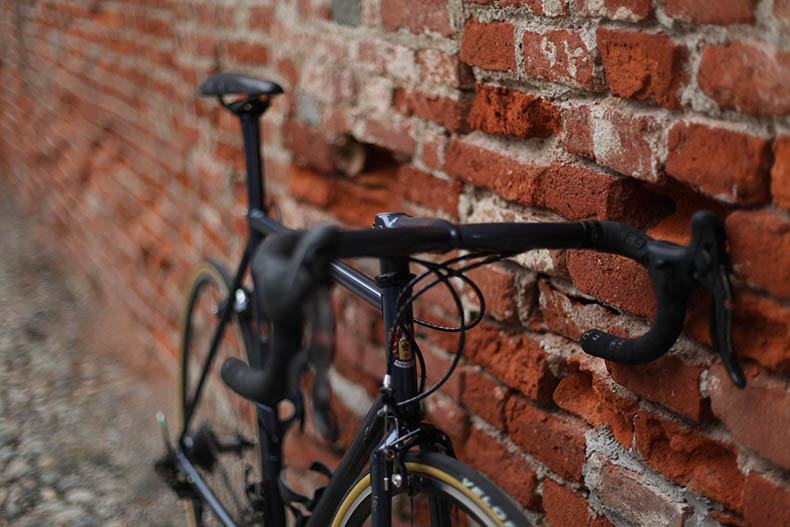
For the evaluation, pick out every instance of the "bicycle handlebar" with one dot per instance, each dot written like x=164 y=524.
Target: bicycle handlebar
x=674 y=272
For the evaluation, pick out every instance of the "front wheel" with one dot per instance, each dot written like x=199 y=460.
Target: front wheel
x=438 y=491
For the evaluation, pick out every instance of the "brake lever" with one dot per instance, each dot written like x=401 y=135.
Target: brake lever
x=711 y=265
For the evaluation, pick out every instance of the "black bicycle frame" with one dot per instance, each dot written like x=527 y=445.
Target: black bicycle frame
x=380 y=294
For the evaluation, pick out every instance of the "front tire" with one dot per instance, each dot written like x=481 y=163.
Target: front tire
x=219 y=413
x=446 y=493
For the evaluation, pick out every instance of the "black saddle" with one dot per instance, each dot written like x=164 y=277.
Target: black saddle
x=236 y=84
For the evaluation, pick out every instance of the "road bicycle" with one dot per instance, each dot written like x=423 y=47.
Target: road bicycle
x=227 y=462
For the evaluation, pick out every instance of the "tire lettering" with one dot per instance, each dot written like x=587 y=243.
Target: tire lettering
x=477 y=491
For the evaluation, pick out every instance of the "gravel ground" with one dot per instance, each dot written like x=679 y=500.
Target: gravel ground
x=78 y=436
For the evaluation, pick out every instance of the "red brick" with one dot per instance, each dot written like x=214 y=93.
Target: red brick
x=566 y=507
x=780 y=172
x=261 y=17
x=436 y=366
x=668 y=381
x=417 y=17
x=613 y=279
x=489 y=46
x=628 y=10
x=626 y=143
x=387 y=134
x=568 y=317
x=757 y=416
x=562 y=56
x=750 y=77
x=782 y=11
x=355 y=202
x=498 y=286
x=716 y=12
x=429 y=191
x=517 y=361
x=761 y=330
x=247 y=53
x=433 y=148
x=556 y=441
x=642 y=66
x=760 y=248
x=450 y=113
x=451 y=418
x=574 y=193
x=439 y=68
x=308 y=146
x=728 y=165
x=510 y=471
x=484 y=397
x=510 y=112
x=687 y=457
x=766 y=502
x=587 y=394
x=626 y=492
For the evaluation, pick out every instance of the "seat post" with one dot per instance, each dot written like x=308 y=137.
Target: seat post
x=249 y=112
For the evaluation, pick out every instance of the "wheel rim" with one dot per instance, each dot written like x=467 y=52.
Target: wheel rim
x=223 y=411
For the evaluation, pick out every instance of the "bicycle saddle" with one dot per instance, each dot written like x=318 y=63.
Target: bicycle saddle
x=237 y=84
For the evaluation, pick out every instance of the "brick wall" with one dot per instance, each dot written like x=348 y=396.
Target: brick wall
x=633 y=110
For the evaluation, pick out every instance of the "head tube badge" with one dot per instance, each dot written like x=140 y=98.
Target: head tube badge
x=404 y=356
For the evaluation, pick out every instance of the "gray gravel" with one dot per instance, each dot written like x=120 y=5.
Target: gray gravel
x=78 y=436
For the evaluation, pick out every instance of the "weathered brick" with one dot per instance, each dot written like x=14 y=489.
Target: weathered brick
x=760 y=248
x=716 y=12
x=782 y=11
x=451 y=418
x=626 y=492
x=433 y=149
x=429 y=191
x=566 y=507
x=689 y=458
x=761 y=331
x=498 y=286
x=439 y=68
x=624 y=142
x=780 y=172
x=489 y=46
x=450 y=113
x=574 y=193
x=627 y=10
x=556 y=441
x=417 y=17
x=391 y=135
x=613 y=279
x=260 y=17
x=509 y=471
x=484 y=397
x=642 y=66
x=728 y=165
x=247 y=53
x=758 y=415
x=668 y=381
x=563 y=56
x=749 y=77
x=308 y=146
x=510 y=112
x=586 y=394
x=516 y=360
x=766 y=502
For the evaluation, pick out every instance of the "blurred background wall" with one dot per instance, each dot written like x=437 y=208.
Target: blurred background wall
x=640 y=111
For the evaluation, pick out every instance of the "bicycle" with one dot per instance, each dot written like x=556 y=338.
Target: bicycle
x=232 y=462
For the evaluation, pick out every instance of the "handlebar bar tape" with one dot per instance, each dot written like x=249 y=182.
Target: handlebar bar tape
x=669 y=268
x=274 y=382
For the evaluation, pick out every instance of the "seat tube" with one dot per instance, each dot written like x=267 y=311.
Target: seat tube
x=251 y=132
